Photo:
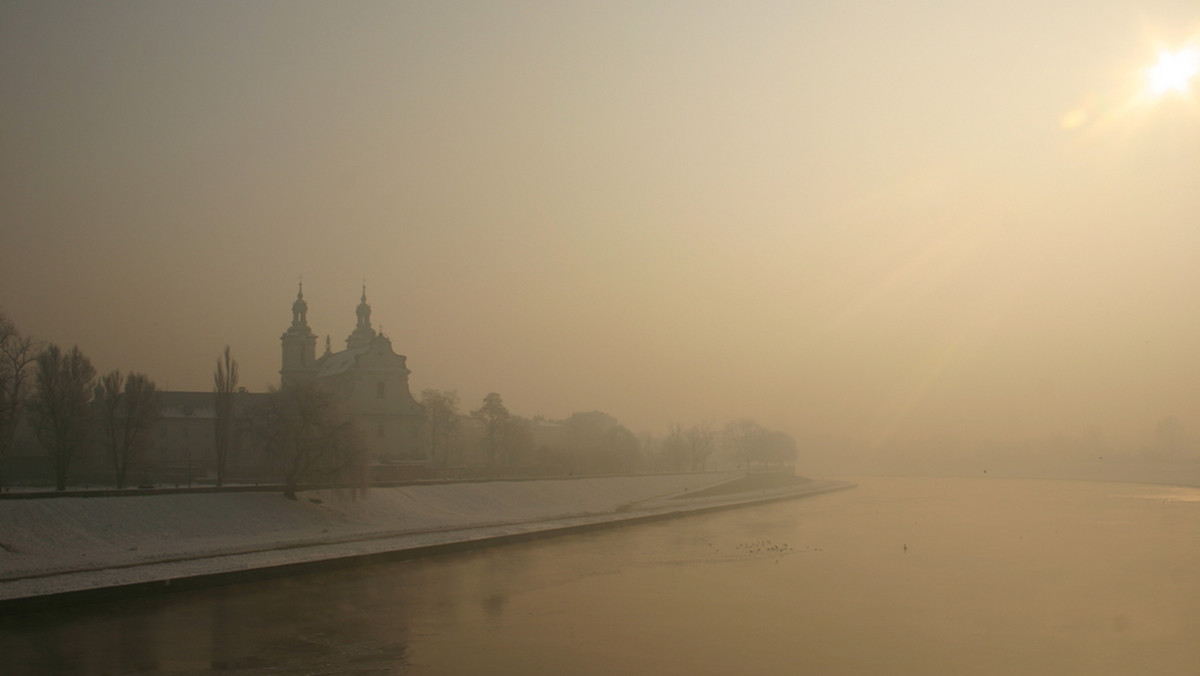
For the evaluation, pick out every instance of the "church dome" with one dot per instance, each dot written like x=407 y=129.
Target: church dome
x=363 y=334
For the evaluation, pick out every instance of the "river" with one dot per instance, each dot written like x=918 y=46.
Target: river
x=897 y=576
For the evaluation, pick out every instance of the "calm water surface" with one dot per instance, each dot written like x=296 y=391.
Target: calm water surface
x=898 y=576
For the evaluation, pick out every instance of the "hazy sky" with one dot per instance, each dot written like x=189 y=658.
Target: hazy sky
x=878 y=220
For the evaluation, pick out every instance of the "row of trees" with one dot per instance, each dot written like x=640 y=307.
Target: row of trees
x=304 y=429
x=591 y=443
x=684 y=449
x=741 y=443
x=508 y=443
x=65 y=404
x=66 y=400
x=504 y=438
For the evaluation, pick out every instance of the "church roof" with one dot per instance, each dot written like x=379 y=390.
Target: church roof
x=340 y=362
x=186 y=404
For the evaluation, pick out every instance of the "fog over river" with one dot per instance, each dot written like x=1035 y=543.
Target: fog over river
x=899 y=576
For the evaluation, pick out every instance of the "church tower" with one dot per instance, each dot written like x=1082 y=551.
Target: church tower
x=299 y=345
x=363 y=334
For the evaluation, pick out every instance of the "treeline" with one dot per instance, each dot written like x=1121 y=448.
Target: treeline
x=68 y=408
x=70 y=411
x=119 y=429
x=491 y=440
x=299 y=435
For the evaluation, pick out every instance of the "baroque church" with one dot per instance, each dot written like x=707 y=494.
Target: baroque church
x=370 y=378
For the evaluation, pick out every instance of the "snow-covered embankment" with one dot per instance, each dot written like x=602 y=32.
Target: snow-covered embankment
x=52 y=546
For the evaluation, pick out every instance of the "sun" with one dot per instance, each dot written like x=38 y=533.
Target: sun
x=1174 y=71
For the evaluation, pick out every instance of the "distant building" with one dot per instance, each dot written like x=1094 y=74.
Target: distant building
x=183 y=443
x=370 y=378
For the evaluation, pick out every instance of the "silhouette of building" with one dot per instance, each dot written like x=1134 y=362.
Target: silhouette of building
x=369 y=377
x=183 y=445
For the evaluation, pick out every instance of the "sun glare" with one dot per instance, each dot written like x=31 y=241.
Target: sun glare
x=1174 y=71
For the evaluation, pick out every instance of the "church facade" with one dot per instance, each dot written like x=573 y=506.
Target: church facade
x=369 y=377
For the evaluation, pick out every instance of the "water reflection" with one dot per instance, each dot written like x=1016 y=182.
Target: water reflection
x=283 y=626
x=898 y=576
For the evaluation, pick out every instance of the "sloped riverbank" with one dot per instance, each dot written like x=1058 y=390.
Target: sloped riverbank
x=56 y=550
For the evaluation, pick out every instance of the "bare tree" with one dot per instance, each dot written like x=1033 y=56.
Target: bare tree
x=312 y=439
x=674 y=447
x=779 y=448
x=225 y=380
x=515 y=438
x=442 y=407
x=745 y=441
x=129 y=410
x=699 y=441
x=752 y=443
x=17 y=354
x=59 y=406
x=493 y=414
x=110 y=417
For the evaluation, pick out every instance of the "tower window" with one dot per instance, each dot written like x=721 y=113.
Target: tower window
x=379 y=392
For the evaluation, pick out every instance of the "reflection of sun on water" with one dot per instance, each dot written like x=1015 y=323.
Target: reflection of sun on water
x=1169 y=494
x=1174 y=71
